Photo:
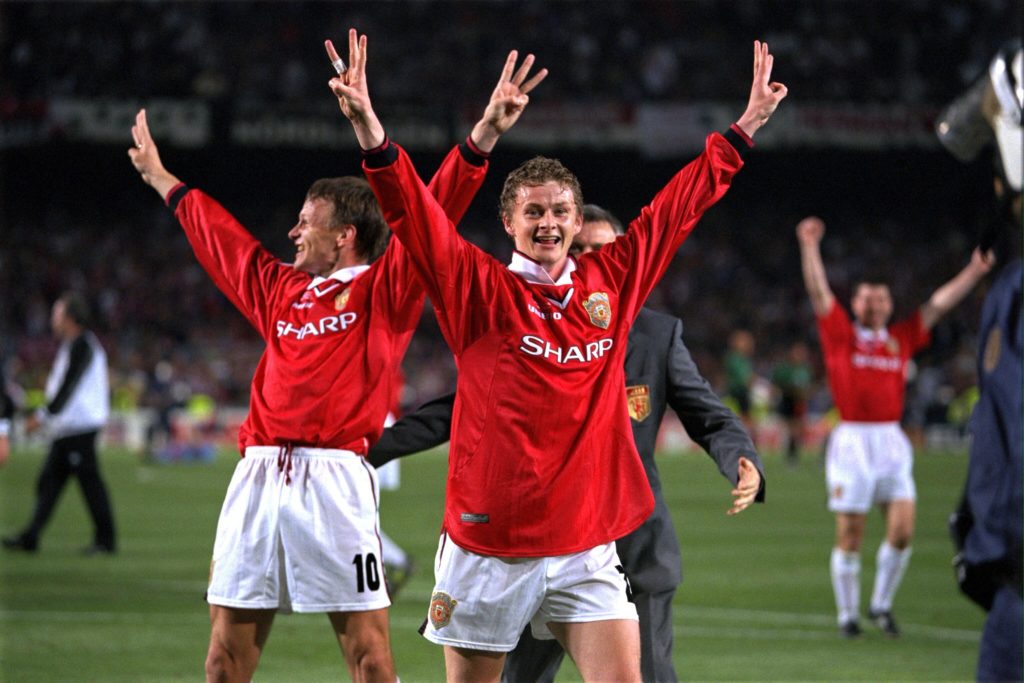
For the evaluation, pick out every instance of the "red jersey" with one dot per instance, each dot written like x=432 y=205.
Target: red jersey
x=542 y=460
x=867 y=370
x=335 y=344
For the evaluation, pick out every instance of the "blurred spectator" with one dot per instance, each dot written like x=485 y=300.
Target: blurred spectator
x=792 y=379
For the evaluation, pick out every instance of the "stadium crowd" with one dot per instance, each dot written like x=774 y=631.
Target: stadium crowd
x=189 y=49
x=170 y=334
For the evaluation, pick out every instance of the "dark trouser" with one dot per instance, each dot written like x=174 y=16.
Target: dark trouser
x=538 y=660
x=73 y=455
x=1000 y=657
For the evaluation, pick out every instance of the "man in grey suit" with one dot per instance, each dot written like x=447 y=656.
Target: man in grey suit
x=659 y=372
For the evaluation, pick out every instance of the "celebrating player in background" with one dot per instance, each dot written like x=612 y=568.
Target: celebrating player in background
x=336 y=325
x=540 y=346
x=869 y=458
x=987 y=528
x=77 y=408
x=659 y=372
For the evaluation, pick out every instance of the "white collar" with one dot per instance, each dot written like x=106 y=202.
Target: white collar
x=343 y=275
x=868 y=335
x=531 y=271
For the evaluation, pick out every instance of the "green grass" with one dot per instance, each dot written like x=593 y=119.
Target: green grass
x=756 y=603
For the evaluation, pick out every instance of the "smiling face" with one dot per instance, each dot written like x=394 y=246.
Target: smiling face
x=872 y=305
x=317 y=244
x=542 y=223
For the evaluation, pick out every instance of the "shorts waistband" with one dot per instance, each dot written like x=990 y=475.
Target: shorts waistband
x=300 y=452
x=852 y=423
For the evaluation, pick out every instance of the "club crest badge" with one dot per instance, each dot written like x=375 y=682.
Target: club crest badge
x=892 y=345
x=993 y=345
x=441 y=607
x=599 y=309
x=342 y=299
x=638 y=399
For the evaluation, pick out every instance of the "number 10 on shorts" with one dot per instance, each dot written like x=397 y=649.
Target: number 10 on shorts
x=367 y=573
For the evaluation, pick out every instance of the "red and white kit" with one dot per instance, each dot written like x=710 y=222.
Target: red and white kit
x=544 y=463
x=869 y=458
x=298 y=529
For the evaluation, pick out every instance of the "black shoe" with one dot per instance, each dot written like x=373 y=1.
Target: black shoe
x=98 y=549
x=397 y=575
x=884 y=621
x=850 y=629
x=20 y=542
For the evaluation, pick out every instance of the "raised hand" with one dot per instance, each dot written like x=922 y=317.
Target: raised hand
x=746 y=488
x=353 y=94
x=765 y=94
x=983 y=261
x=810 y=230
x=509 y=99
x=146 y=159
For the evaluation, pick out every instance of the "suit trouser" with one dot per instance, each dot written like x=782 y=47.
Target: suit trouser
x=539 y=660
x=1000 y=654
x=73 y=455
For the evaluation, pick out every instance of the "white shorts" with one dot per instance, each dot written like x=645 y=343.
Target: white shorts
x=482 y=602
x=868 y=463
x=299 y=534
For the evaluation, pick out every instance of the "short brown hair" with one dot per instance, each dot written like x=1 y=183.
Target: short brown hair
x=592 y=213
x=534 y=172
x=355 y=204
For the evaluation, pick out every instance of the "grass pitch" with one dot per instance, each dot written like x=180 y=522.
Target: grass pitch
x=755 y=604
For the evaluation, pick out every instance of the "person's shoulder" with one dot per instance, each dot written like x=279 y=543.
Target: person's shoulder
x=655 y=324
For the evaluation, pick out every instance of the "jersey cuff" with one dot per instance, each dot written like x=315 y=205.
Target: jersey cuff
x=383 y=155
x=175 y=196
x=740 y=141
x=472 y=154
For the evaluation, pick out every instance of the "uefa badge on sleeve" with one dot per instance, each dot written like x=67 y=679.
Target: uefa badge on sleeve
x=599 y=309
x=441 y=607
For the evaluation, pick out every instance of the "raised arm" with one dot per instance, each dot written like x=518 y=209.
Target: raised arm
x=462 y=172
x=946 y=297
x=146 y=158
x=353 y=94
x=809 y=232
x=508 y=100
x=712 y=425
x=765 y=94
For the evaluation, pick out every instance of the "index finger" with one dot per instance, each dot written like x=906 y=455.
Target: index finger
x=143 y=124
x=336 y=60
x=510 y=64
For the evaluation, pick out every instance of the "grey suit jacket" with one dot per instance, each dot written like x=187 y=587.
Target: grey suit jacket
x=659 y=372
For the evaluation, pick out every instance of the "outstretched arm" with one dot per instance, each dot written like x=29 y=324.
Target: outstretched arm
x=809 y=232
x=146 y=158
x=765 y=94
x=714 y=427
x=953 y=292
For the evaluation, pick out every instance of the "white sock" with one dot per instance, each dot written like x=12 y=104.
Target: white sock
x=845 y=570
x=890 y=565
x=393 y=554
